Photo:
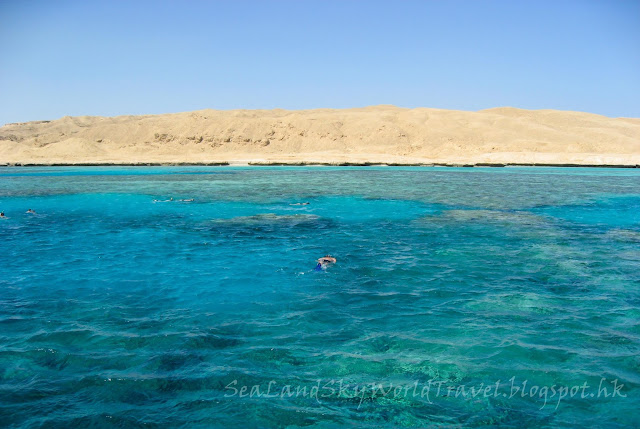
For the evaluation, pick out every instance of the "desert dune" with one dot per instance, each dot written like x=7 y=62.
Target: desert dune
x=377 y=134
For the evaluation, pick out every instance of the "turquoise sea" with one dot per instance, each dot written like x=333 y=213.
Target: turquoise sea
x=461 y=297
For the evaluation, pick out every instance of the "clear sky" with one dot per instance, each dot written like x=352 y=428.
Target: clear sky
x=135 y=57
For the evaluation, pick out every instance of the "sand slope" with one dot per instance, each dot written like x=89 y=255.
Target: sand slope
x=385 y=134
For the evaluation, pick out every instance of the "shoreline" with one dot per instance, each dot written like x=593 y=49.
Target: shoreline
x=313 y=164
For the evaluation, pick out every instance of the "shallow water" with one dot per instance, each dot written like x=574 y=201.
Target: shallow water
x=116 y=311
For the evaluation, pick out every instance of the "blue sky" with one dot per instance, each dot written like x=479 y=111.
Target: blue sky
x=137 y=57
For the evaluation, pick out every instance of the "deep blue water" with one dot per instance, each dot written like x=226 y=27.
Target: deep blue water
x=116 y=311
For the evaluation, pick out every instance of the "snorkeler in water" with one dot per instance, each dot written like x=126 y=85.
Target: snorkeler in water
x=299 y=204
x=31 y=211
x=324 y=262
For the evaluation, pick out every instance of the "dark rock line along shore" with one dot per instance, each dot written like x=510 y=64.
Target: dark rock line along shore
x=311 y=164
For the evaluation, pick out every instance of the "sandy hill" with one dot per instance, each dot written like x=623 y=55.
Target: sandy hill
x=378 y=134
